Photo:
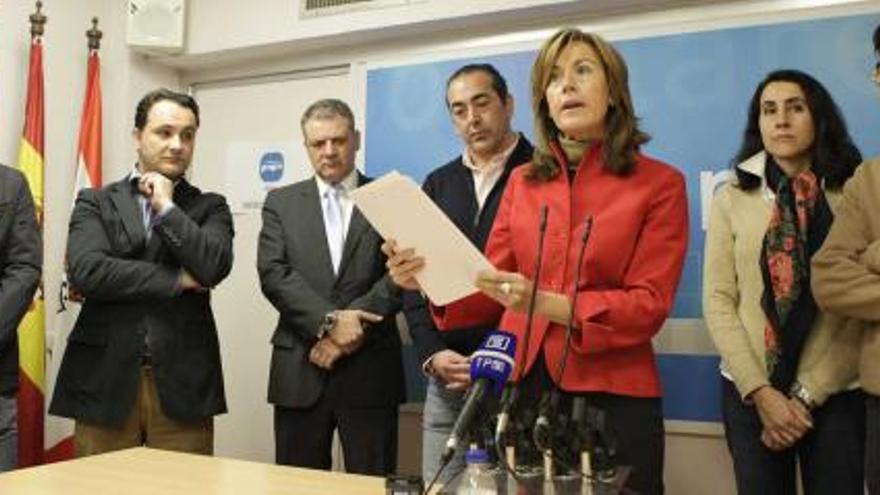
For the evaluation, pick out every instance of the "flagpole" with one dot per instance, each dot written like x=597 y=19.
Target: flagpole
x=38 y=22
x=89 y=150
x=59 y=431
x=32 y=329
x=94 y=35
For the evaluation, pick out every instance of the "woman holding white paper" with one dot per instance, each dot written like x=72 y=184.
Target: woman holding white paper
x=586 y=165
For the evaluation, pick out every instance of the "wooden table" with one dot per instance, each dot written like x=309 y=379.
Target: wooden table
x=150 y=471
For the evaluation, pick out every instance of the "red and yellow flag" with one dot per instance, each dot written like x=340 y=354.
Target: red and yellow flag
x=31 y=331
x=59 y=431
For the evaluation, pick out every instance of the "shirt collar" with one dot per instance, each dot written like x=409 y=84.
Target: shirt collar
x=755 y=165
x=494 y=162
x=136 y=174
x=347 y=184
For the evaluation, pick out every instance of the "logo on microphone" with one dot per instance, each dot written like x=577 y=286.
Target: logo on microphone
x=500 y=342
x=494 y=359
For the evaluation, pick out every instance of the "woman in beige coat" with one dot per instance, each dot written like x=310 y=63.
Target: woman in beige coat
x=789 y=389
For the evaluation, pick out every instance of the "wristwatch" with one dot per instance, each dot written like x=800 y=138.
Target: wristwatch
x=327 y=324
x=799 y=392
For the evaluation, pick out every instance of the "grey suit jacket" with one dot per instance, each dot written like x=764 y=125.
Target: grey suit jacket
x=297 y=277
x=131 y=294
x=21 y=259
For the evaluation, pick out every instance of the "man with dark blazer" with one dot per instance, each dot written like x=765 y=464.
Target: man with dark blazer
x=142 y=364
x=468 y=189
x=336 y=360
x=21 y=260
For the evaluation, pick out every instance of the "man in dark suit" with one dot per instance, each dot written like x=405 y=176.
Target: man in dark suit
x=21 y=259
x=336 y=350
x=142 y=365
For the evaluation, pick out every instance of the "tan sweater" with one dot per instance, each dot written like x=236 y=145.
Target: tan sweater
x=846 y=271
x=732 y=288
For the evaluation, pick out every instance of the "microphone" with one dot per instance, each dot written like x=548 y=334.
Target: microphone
x=511 y=390
x=549 y=404
x=491 y=366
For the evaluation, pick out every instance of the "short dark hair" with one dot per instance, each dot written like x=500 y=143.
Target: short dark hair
x=499 y=84
x=326 y=108
x=834 y=156
x=157 y=95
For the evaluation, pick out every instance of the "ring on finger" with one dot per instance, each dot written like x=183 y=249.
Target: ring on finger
x=504 y=288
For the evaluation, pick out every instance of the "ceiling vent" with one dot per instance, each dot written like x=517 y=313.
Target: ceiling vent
x=156 y=26
x=313 y=8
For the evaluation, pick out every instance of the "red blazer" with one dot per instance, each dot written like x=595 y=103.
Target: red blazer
x=631 y=269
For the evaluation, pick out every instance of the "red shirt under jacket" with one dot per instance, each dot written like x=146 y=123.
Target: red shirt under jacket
x=631 y=269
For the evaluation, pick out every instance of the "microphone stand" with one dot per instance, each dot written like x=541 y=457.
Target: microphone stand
x=582 y=437
x=550 y=403
x=490 y=368
x=591 y=438
x=511 y=388
x=597 y=444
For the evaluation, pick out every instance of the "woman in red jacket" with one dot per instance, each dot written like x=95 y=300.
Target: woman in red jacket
x=586 y=166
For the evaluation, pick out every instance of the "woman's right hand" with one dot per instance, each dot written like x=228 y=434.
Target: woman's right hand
x=783 y=424
x=402 y=264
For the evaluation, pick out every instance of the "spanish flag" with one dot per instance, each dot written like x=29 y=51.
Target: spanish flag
x=31 y=331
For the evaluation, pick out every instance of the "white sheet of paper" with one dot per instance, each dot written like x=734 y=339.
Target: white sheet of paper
x=398 y=209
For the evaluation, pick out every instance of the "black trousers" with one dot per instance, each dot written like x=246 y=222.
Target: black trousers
x=872 y=454
x=303 y=437
x=633 y=427
x=831 y=454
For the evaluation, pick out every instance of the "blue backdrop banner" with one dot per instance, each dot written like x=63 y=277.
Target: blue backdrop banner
x=691 y=92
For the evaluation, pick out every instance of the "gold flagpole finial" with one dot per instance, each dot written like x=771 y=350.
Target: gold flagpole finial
x=38 y=21
x=94 y=35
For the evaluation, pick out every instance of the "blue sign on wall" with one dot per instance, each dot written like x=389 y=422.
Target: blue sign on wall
x=272 y=166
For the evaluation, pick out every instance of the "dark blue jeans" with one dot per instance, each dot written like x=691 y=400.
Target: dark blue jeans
x=872 y=456
x=831 y=455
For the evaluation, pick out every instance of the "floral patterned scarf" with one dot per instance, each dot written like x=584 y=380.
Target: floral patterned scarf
x=799 y=222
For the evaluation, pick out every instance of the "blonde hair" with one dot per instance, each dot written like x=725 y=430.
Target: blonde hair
x=622 y=135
